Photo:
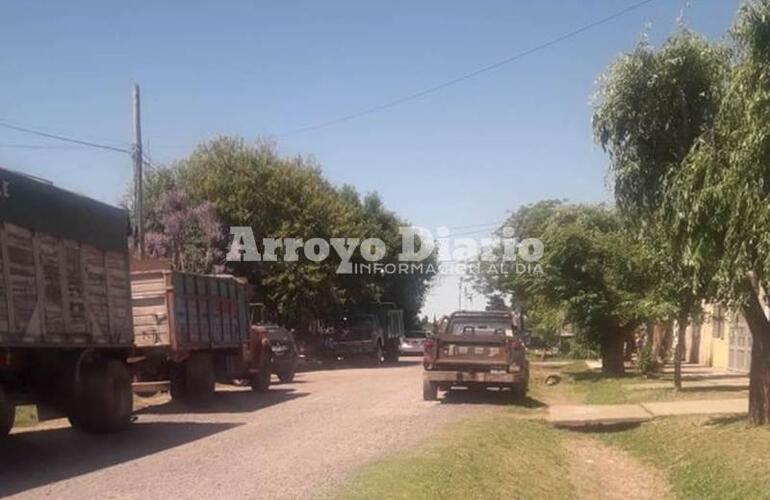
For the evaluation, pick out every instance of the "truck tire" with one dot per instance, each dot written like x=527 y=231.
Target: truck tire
x=104 y=399
x=520 y=390
x=391 y=353
x=377 y=354
x=177 y=382
x=199 y=378
x=260 y=382
x=429 y=391
x=286 y=376
x=7 y=413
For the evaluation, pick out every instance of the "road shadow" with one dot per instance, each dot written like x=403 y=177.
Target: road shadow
x=353 y=363
x=596 y=376
x=37 y=458
x=728 y=420
x=716 y=388
x=231 y=400
x=712 y=376
x=488 y=397
x=601 y=428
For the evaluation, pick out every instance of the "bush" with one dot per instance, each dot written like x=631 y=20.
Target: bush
x=577 y=349
x=646 y=362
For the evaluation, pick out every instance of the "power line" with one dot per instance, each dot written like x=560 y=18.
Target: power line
x=477 y=231
x=467 y=76
x=36 y=146
x=471 y=226
x=64 y=139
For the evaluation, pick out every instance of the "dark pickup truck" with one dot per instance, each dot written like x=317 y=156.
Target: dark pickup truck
x=373 y=331
x=476 y=349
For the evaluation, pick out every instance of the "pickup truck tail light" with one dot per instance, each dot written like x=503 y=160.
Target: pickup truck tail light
x=427 y=351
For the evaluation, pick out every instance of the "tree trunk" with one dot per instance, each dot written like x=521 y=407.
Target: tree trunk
x=759 y=374
x=662 y=340
x=681 y=330
x=612 y=353
x=630 y=346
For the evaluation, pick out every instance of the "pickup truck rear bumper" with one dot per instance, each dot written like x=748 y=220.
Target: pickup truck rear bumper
x=460 y=377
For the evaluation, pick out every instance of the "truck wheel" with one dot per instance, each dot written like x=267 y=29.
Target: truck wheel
x=176 y=377
x=104 y=399
x=429 y=391
x=392 y=353
x=200 y=382
x=260 y=382
x=377 y=354
x=7 y=413
x=519 y=391
x=286 y=376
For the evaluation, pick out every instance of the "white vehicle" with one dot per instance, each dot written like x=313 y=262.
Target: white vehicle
x=413 y=343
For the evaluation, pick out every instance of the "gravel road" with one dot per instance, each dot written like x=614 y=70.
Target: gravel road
x=301 y=440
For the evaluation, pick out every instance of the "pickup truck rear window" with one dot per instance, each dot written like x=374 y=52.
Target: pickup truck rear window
x=480 y=328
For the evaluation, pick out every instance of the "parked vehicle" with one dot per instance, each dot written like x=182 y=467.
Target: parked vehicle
x=476 y=349
x=285 y=354
x=374 y=331
x=65 y=305
x=413 y=343
x=193 y=330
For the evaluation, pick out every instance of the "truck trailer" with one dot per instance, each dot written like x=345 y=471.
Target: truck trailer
x=66 y=327
x=192 y=330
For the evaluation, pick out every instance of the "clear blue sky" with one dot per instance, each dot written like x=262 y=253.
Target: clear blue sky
x=464 y=155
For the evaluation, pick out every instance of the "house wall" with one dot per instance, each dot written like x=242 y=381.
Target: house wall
x=708 y=338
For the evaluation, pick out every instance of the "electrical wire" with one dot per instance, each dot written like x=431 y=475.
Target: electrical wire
x=37 y=146
x=467 y=76
x=64 y=138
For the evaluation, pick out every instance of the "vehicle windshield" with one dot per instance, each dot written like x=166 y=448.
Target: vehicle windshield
x=480 y=327
x=278 y=333
x=415 y=335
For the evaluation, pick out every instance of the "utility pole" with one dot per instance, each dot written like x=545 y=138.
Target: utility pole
x=138 y=182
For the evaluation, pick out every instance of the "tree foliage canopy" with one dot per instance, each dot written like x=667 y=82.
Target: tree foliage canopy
x=651 y=107
x=279 y=197
x=594 y=275
x=719 y=202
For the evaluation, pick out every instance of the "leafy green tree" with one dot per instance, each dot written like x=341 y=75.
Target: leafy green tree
x=597 y=273
x=720 y=203
x=528 y=221
x=594 y=276
x=497 y=303
x=279 y=197
x=652 y=107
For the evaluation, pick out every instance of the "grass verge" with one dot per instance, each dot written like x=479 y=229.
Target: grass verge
x=504 y=457
x=704 y=458
x=591 y=387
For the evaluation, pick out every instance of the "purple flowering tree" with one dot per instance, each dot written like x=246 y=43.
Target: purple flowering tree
x=189 y=234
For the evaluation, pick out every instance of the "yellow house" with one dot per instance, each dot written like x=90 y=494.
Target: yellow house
x=719 y=338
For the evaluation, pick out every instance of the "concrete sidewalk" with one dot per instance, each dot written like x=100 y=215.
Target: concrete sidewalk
x=596 y=415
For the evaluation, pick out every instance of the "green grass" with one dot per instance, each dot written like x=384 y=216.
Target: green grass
x=505 y=457
x=593 y=388
x=516 y=455
x=704 y=458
